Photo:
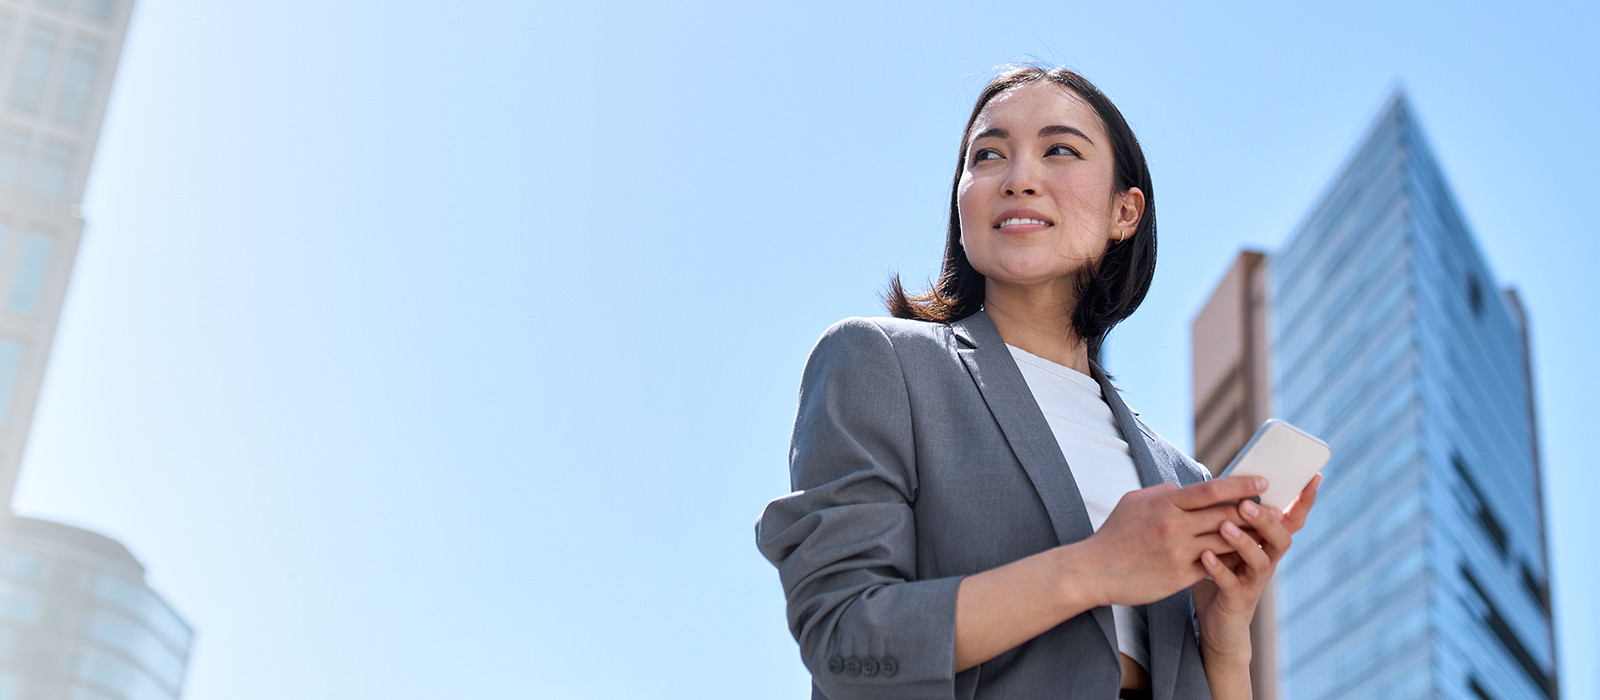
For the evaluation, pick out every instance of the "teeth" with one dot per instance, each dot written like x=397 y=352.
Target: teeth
x=1019 y=222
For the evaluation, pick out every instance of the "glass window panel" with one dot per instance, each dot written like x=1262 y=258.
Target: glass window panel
x=30 y=273
x=105 y=669
x=99 y=9
x=10 y=361
x=121 y=632
x=19 y=604
x=78 y=83
x=26 y=565
x=34 y=73
x=147 y=607
x=55 y=167
x=13 y=153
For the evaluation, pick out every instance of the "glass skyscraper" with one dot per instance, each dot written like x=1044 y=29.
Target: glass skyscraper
x=1423 y=573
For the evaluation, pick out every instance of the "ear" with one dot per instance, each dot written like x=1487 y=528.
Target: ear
x=1129 y=212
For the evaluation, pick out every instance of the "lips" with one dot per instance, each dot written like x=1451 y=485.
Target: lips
x=1022 y=220
x=1014 y=222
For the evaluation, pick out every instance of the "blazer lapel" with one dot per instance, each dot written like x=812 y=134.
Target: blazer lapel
x=1169 y=619
x=1025 y=429
x=1151 y=472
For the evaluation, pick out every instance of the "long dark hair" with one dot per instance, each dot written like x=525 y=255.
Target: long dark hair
x=1109 y=291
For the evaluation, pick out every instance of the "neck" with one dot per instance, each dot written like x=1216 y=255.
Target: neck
x=1038 y=320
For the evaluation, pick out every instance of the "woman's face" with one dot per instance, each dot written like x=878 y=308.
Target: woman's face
x=1035 y=195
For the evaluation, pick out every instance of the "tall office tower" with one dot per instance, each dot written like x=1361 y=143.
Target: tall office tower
x=57 y=61
x=76 y=618
x=1423 y=572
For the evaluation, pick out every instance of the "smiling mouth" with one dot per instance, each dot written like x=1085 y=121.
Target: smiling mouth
x=1023 y=222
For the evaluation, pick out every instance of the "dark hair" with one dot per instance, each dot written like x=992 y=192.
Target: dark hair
x=1109 y=291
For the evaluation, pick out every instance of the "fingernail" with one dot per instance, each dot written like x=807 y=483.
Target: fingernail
x=1261 y=483
x=1230 y=529
x=1209 y=557
x=1250 y=509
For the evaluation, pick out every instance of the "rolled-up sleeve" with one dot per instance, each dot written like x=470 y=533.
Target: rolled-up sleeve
x=845 y=541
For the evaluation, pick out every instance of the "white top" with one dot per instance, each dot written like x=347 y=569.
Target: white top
x=1101 y=464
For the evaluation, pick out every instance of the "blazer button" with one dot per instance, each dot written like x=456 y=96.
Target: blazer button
x=869 y=666
x=835 y=664
x=888 y=666
x=852 y=666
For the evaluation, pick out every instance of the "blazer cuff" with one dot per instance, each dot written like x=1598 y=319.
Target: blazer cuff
x=892 y=641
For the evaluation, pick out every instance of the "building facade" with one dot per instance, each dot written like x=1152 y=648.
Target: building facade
x=58 y=59
x=77 y=621
x=1423 y=572
x=1232 y=397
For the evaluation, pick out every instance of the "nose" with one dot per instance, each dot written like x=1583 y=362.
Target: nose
x=1021 y=180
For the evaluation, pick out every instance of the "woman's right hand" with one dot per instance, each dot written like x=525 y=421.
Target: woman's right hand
x=1150 y=545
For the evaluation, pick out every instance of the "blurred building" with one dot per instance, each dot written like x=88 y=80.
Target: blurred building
x=57 y=61
x=76 y=618
x=1232 y=394
x=1379 y=328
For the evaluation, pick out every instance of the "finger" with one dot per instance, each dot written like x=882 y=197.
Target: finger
x=1159 y=488
x=1256 y=560
x=1222 y=576
x=1218 y=491
x=1270 y=528
x=1296 y=514
x=1213 y=542
x=1303 y=501
x=1199 y=522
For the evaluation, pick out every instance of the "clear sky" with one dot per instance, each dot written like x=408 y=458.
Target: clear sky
x=450 y=350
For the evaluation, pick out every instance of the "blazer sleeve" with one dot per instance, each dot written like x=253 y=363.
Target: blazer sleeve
x=845 y=541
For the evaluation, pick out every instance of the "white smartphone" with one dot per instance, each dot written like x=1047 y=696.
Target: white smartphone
x=1287 y=456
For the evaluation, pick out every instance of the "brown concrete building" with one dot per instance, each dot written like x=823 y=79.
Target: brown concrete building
x=1232 y=397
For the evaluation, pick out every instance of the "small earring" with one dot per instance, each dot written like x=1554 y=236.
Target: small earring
x=1124 y=236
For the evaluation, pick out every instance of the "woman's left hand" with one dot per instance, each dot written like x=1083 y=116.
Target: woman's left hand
x=1225 y=604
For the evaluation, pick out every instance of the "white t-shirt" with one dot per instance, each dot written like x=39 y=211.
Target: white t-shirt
x=1101 y=464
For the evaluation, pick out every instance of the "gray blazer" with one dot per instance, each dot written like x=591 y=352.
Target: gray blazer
x=919 y=456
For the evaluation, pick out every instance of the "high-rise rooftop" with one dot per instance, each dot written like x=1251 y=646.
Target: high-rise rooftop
x=1423 y=572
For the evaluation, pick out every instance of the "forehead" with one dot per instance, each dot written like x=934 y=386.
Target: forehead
x=1025 y=108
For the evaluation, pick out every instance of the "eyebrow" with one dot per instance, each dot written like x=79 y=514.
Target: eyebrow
x=1057 y=130
x=1052 y=130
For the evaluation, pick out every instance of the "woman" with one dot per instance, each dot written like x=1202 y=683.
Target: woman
x=976 y=513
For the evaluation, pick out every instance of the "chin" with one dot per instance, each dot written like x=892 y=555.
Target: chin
x=1026 y=272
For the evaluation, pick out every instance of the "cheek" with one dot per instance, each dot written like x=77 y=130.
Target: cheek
x=963 y=206
x=1088 y=193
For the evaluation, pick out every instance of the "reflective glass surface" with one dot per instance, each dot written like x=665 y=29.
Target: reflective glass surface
x=78 y=82
x=54 y=169
x=37 y=53
x=1422 y=572
x=30 y=273
x=68 y=629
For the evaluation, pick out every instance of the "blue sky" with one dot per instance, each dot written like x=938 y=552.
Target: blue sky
x=428 y=351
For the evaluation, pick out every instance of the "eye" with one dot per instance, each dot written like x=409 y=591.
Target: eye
x=984 y=154
x=1061 y=150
